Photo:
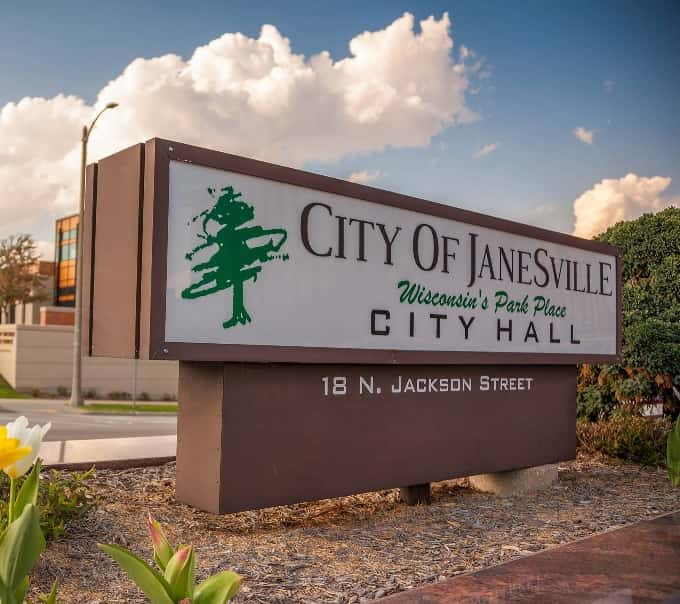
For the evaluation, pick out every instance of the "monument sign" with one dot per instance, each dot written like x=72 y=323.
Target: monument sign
x=335 y=338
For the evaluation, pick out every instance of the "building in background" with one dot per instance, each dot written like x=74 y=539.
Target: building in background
x=59 y=280
x=36 y=342
x=65 y=255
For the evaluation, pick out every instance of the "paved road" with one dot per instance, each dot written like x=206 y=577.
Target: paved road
x=69 y=424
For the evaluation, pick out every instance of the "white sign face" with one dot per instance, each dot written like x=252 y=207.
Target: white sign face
x=258 y=262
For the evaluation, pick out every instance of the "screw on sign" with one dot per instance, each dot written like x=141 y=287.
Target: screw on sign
x=231 y=264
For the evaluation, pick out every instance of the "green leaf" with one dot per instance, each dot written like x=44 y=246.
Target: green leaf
x=154 y=586
x=28 y=493
x=673 y=454
x=179 y=573
x=52 y=598
x=20 y=547
x=160 y=560
x=218 y=589
x=6 y=595
x=20 y=592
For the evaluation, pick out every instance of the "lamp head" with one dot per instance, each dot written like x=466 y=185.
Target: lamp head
x=111 y=105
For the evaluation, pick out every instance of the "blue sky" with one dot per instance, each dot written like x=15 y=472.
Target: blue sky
x=610 y=67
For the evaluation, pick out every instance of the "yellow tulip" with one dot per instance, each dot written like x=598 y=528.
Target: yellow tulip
x=11 y=450
x=28 y=437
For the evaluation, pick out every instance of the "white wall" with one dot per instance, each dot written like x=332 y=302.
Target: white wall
x=42 y=356
x=7 y=357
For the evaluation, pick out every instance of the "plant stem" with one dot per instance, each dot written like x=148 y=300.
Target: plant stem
x=12 y=496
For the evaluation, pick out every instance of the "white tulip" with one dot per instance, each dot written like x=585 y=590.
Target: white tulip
x=29 y=437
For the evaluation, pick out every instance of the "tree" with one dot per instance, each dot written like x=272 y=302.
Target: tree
x=233 y=261
x=650 y=367
x=20 y=282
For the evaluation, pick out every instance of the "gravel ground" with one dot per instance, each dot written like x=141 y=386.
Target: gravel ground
x=350 y=549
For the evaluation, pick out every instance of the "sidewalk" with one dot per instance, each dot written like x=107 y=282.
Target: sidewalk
x=109 y=452
x=638 y=563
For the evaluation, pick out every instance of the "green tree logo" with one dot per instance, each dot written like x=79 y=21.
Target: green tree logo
x=233 y=262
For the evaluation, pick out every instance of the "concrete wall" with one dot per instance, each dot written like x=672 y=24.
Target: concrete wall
x=27 y=314
x=7 y=356
x=24 y=314
x=40 y=357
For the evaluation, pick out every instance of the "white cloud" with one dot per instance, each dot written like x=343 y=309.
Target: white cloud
x=613 y=200
x=45 y=249
x=255 y=97
x=365 y=176
x=487 y=150
x=584 y=135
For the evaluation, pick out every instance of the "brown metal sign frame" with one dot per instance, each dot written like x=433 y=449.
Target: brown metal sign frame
x=140 y=298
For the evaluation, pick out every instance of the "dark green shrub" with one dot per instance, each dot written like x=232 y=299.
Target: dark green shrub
x=650 y=354
x=593 y=402
x=638 y=387
x=144 y=396
x=626 y=436
x=62 y=391
x=63 y=497
x=120 y=396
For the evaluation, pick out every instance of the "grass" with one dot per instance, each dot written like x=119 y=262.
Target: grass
x=6 y=391
x=128 y=408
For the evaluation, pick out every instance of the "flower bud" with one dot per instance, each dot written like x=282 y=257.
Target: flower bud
x=162 y=550
x=179 y=573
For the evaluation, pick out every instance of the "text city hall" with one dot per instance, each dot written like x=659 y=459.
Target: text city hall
x=431 y=251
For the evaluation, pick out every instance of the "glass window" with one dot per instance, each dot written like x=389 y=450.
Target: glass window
x=67 y=228
x=67 y=251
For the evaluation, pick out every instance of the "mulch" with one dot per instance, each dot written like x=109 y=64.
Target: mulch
x=349 y=549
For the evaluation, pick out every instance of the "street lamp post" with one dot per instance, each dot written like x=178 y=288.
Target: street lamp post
x=76 y=381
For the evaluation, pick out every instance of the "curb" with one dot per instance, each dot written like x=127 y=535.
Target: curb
x=131 y=413
x=115 y=464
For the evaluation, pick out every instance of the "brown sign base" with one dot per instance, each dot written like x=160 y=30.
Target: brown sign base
x=255 y=435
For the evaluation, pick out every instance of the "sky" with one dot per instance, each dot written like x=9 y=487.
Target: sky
x=562 y=115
